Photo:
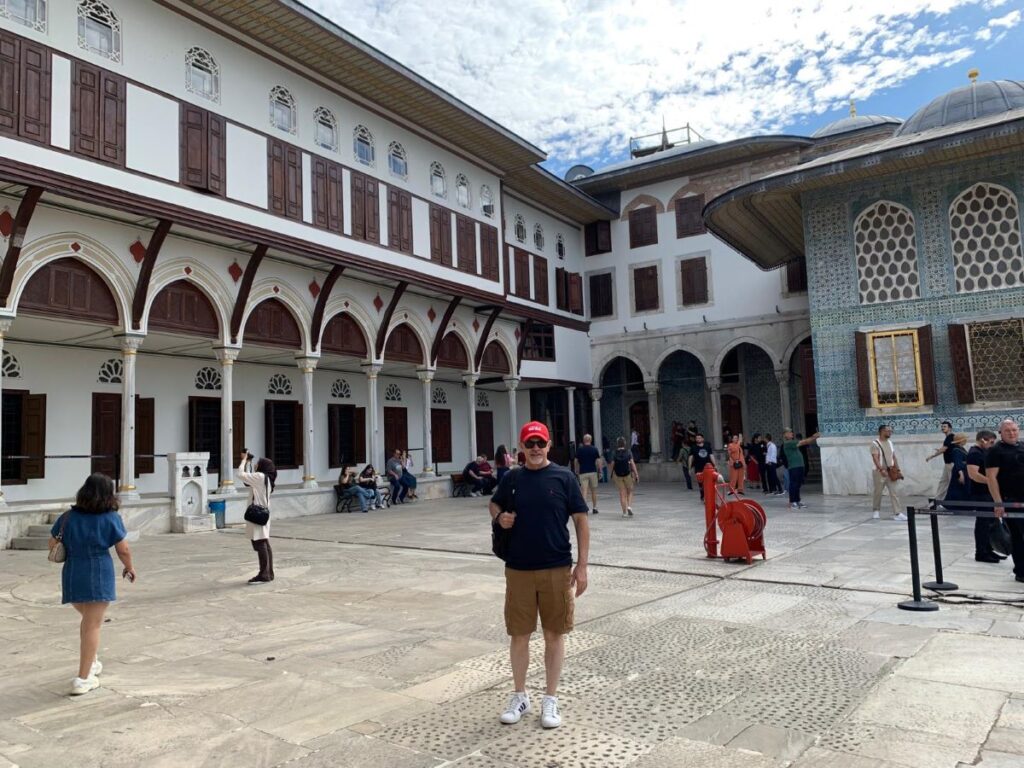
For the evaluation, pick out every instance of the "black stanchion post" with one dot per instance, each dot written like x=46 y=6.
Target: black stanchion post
x=940 y=584
x=917 y=604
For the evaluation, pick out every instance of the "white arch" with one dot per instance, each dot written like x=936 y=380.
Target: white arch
x=413 y=321
x=336 y=305
x=603 y=365
x=91 y=252
x=743 y=340
x=671 y=351
x=204 y=278
x=791 y=349
x=264 y=290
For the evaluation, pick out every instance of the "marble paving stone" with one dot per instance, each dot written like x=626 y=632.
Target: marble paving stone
x=782 y=743
x=992 y=759
x=816 y=757
x=1006 y=740
x=716 y=728
x=899 y=745
x=889 y=639
x=451 y=732
x=351 y=750
x=971 y=660
x=452 y=685
x=1013 y=629
x=1012 y=715
x=942 y=619
x=678 y=752
x=416 y=662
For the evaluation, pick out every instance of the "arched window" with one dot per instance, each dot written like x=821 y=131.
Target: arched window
x=362 y=145
x=202 y=75
x=520 y=226
x=984 y=226
x=282 y=109
x=326 y=126
x=538 y=236
x=886 y=250
x=438 y=183
x=462 y=190
x=30 y=13
x=486 y=202
x=99 y=30
x=560 y=246
x=398 y=163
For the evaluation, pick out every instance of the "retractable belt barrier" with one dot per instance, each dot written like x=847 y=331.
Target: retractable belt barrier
x=935 y=509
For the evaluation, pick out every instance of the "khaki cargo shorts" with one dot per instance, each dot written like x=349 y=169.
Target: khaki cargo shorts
x=547 y=592
x=623 y=482
x=588 y=480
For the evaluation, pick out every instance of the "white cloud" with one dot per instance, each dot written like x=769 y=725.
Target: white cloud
x=578 y=77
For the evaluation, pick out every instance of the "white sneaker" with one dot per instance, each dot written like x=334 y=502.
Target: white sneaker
x=549 y=717
x=875 y=515
x=518 y=706
x=97 y=668
x=80 y=686
x=901 y=517
x=794 y=505
x=629 y=511
x=625 y=514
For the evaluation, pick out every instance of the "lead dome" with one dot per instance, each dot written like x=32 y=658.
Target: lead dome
x=968 y=102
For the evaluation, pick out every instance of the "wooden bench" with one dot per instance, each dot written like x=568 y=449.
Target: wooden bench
x=351 y=503
x=460 y=488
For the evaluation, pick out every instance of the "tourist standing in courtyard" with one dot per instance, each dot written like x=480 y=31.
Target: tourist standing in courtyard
x=771 y=465
x=261 y=484
x=536 y=504
x=885 y=474
x=795 y=461
x=588 y=462
x=1004 y=469
x=701 y=455
x=737 y=464
x=946 y=452
x=625 y=476
x=87 y=531
x=976 y=463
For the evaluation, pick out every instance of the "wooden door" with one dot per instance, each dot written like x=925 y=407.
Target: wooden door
x=732 y=415
x=640 y=423
x=441 y=434
x=485 y=433
x=807 y=375
x=106 y=432
x=396 y=431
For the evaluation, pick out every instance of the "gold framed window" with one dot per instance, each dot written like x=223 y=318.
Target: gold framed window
x=895 y=360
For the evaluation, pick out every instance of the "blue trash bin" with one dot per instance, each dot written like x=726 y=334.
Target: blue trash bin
x=217 y=509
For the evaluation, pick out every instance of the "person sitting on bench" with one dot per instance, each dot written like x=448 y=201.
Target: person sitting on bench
x=474 y=476
x=394 y=469
x=368 y=480
x=348 y=487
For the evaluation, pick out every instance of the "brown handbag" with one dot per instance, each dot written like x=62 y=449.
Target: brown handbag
x=894 y=473
x=59 y=553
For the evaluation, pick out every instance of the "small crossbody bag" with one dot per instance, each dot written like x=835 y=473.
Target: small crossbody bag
x=59 y=553
x=893 y=472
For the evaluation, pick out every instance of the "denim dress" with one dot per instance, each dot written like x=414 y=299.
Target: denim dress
x=88 y=573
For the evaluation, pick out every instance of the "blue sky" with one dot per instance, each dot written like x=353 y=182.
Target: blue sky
x=579 y=77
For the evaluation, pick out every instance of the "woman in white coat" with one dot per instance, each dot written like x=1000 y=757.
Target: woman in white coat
x=261 y=484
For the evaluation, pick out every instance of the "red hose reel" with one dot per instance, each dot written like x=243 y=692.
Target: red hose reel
x=741 y=521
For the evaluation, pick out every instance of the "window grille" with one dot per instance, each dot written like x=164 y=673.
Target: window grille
x=30 y=13
x=886 y=254
x=393 y=393
x=984 y=225
x=438 y=182
x=462 y=190
x=486 y=202
x=560 y=246
x=202 y=74
x=279 y=385
x=341 y=389
x=482 y=399
x=282 y=109
x=520 y=227
x=326 y=126
x=111 y=371
x=538 y=236
x=208 y=378
x=997 y=360
x=895 y=362
x=362 y=145
x=99 y=30
x=11 y=367
x=398 y=161
x=439 y=397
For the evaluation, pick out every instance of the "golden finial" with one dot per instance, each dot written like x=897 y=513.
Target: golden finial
x=853 y=108
x=973 y=75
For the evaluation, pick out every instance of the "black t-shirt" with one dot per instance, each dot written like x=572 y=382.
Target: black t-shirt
x=544 y=501
x=587 y=456
x=976 y=457
x=702 y=455
x=947 y=455
x=1010 y=461
x=471 y=467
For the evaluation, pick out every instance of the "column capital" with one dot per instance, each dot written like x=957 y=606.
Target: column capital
x=714 y=383
x=469 y=379
x=595 y=394
x=227 y=355
x=372 y=369
x=130 y=342
x=306 y=363
x=782 y=376
x=511 y=383
x=570 y=389
x=5 y=326
x=426 y=375
x=652 y=387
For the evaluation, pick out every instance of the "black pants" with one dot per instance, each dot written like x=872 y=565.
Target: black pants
x=762 y=471
x=1016 y=526
x=771 y=477
x=266 y=558
x=982 y=533
x=686 y=475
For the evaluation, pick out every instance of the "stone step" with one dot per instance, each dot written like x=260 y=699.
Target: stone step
x=39 y=530
x=53 y=517
x=30 y=542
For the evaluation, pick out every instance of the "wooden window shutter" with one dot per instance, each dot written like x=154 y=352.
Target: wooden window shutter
x=645 y=288
x=436 y=227
x=276 y=177
x=335 y=198
x=694 y=278
x=924 y=346
x=959 y=356
x=333 y=435
x=217 y=146
x=576 y=293
x=10 y=75
x=489 y=252
x=327 y=195
x=33 y=435
x=604 y=236
x=293 y=183
x=113 y=90
x=796 y=276
x=268 y=429
x=319 y=187
x=145 y=443
x=643 y=227
x=299 y=436
x=34 y=103
x=85 y=110
x=237 y=429
x=358 y=206
x=601 y=295
x=359 y=434
x=561 y=289
x=195 y=154
x=399 y=220
x=522 y=264
x=689 y=219
x=465 y=229
x=863 y=370
x=372 y=208
x=540 y=279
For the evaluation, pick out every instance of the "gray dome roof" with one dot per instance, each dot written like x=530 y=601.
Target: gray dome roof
x=967 y=102
x=854 y=123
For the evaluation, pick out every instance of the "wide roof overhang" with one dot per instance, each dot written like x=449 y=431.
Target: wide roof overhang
x=540 y=186
x=764 y=220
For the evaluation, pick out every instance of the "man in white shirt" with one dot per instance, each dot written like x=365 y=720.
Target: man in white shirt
x=634 y=445
x=771 y=466
x=886 y=473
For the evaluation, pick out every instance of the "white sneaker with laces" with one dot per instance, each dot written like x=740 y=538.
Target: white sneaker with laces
x=80 y=686
x=97 y=668
x=518 y=706
x=901 y=517
x=875 y=515
x=549 y=717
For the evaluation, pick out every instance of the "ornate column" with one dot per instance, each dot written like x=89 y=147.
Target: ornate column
x=571 y=395
x=228 y=459
x=130 y=344
x=5 y=326
x=782 y=376
x=714 y=384
x=307 y=365
x=372 y=370
x=652 y=389
x=595 y=410
x=426 y=375
x=470 y=381
x=512 y=384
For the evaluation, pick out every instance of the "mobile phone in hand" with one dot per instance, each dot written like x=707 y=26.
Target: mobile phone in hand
x=126 y=575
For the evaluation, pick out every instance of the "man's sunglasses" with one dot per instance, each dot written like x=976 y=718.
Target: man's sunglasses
x=536 y=443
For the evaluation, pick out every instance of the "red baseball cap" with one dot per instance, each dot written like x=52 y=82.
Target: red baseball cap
x=533 y=429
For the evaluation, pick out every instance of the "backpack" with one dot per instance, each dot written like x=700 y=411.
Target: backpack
x=620 y=463
x=501 y=538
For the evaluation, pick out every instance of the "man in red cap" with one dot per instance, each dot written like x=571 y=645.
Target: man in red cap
x=535 y=503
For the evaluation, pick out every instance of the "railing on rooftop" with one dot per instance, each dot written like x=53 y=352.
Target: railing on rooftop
x=663 y=139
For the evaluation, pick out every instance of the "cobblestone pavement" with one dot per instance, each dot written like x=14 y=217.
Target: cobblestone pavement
x=381 y=644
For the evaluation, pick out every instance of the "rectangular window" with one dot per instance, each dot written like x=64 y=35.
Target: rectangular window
x=576 y=293
x=283 y=433
x=328 y=195
x=24 y=434
x=796 y=276
x=203 y=150
x=562 y=288
x=601 y=303
x=400 y=220
x=540 y=280
x=540 y=342
x=997 y=360
x=24 y=88
x=693 y=275
x=689 y=218
x=98 y=114
x=522 y=267
x=440 y=235
x=489 y=251
x=895 y=368
x=346 y=435
x=284 y=179
x=597 y=238
x=465 y=239
x=643 y=227
x=441 y=434
x=365 y=208
x=645 y=289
